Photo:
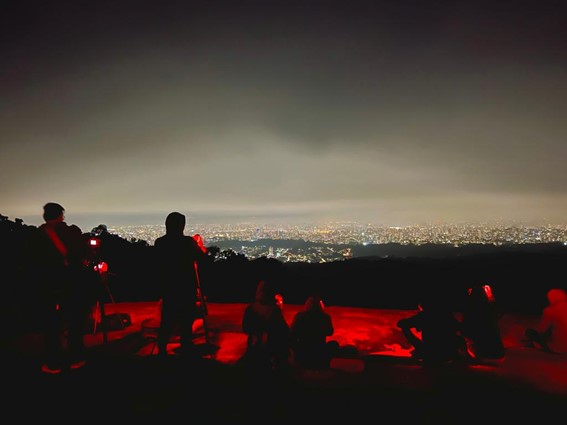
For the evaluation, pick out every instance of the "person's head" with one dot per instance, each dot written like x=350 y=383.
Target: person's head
x=480 y=294
x=265 y=293
x=175 y=223
x=313 y=303
x=53 y=211
x=556 y=295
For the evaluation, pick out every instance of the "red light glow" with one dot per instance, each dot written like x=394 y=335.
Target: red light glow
x=200 y=242
x=488 y=292
x=101 y=267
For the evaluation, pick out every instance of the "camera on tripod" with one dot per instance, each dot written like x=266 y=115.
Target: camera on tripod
x=94 y=262
x=108 y=322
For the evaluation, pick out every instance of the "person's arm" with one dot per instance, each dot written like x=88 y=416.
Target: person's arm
x=545 y=324
x=329 y=329
x=294 y=329
x=248 y=325
x=280 y=324
x=199 y=253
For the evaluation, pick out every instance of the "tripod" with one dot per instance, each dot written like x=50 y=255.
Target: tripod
x=201 y=305
x=102 y=269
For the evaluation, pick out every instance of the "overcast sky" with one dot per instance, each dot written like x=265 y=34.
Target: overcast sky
x=384 y=112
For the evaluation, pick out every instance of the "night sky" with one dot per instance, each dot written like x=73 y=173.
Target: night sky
x=391 y=113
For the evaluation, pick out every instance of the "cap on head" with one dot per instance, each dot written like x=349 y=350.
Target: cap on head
x=52 y=210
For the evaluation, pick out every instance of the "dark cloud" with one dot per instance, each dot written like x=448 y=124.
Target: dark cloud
x=381 y=110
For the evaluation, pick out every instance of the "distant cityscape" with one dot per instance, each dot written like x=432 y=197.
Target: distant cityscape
x=334 y=241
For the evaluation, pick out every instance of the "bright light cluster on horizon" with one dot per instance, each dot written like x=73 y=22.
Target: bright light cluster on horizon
x=350 y=233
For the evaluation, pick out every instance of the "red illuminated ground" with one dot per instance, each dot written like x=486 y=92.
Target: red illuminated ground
x=373 y=375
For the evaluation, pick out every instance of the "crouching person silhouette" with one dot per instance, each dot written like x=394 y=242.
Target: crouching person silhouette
x=433 y=332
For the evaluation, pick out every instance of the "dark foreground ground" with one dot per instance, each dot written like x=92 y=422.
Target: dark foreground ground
x=372 y=380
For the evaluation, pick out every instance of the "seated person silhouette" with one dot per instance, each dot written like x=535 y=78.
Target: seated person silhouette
x=480 y=326
x=308 y=335
x=267 y=330
x=433 y=332
x=551 y=332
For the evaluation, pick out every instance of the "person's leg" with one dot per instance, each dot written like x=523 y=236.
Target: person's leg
x=53 y=341
x=538 y=338
x=186 y=319
x=76 y=319
x=165 y=328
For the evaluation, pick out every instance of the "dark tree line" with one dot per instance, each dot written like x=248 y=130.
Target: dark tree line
x=519 y=277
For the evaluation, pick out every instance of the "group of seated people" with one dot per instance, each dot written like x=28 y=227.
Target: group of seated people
x=438 y=336
x=272 y=342
x=435 y=333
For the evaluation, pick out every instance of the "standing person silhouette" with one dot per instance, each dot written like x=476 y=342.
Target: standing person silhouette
x=177 y=256
x=60 y=255
x=309 y=331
